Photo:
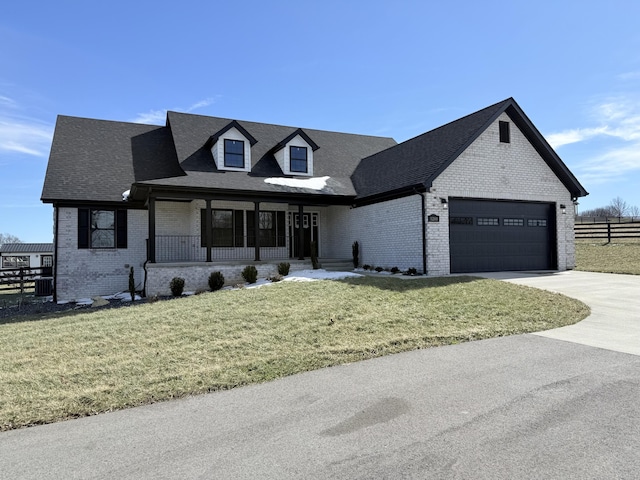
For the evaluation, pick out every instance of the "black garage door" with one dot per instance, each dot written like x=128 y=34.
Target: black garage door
x=490 y=236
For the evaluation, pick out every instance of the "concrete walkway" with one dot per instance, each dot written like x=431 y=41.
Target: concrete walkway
x=614 y=323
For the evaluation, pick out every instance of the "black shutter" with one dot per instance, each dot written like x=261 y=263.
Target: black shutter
x=280 y=230
x=251 y=229
x=203 y=227
x=83 y=228
x=238 y=228
x=121 y=228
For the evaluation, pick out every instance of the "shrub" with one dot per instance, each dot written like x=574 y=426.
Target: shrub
x=366 y=266
x=250 y=274
x=355 y=250
x=132 y=285
x=176 y=286
x=216 y=281
x=314 y=256
x=379 y=269
x=412 y=271
x=283 y=268
x=395 y=270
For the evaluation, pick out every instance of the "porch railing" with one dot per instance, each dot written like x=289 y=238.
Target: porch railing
x=188 y=248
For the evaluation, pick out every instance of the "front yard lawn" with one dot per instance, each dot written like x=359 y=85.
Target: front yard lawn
x=609 y=257
x=83 y=363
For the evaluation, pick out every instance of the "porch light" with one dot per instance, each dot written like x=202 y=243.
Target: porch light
x=444 y=202
x=563 y=207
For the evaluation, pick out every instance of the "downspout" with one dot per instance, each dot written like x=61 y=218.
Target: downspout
x=55 y=256
x=424 y=231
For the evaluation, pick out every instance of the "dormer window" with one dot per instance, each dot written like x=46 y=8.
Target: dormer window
x=231 y=148
x=298 y=159
x=295 y=154
x=233 y=153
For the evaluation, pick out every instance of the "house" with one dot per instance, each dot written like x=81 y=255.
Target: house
x=26 y=255
x=485 y=192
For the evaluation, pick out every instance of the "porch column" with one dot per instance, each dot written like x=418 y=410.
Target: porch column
x=151 y=248
x=256 y=223
x=207 y=229
x=300 y=232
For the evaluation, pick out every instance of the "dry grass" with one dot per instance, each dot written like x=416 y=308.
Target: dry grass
x=618 y=257
x=85 y=363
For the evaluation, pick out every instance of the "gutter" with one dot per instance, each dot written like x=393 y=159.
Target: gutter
x=424 y=231
x=55 y=256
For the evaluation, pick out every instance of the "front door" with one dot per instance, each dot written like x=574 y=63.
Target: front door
x=309 y=231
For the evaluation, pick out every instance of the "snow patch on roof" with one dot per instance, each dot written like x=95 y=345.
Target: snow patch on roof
x=314 y=183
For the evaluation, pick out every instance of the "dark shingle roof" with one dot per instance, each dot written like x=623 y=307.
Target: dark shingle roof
x=26 y=248
x=97 y=160
x=337 y=156
x=418 y=161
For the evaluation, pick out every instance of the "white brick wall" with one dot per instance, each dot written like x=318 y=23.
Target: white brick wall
x=389 y=233
x=83 y=273
x=196 y=275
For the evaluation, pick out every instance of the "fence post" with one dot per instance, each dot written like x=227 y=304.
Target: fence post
x=608 y=233
x=21 y=281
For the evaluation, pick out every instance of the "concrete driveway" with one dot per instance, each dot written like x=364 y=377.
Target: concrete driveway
x=614 y=322
x=524 y=406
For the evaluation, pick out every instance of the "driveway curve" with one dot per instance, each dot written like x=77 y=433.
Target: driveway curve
x=614 y=323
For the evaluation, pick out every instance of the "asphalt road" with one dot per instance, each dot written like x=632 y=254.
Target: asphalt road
x=528 y=406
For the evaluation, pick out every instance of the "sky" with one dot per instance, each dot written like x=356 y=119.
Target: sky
x=395 y=69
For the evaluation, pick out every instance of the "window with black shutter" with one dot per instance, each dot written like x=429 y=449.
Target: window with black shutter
x=102 y=228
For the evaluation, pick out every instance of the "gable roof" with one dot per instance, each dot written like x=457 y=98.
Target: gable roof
x=293 y=135
x=26 y=248
x=418 y=161
x=233 y=124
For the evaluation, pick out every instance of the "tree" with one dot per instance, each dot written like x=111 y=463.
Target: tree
x=8 y=238
x=634 y=211
x=618 y=207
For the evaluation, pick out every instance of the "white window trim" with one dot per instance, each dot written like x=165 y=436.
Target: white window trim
x=217 y=150
x=283 y=156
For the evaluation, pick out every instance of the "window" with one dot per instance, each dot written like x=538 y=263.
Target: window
x=233 y=153
x=102 y=228
x=488 y=222
x=504 y=132
x=15 y=261
x=534 y=222
x=513 y=222
x=298 y=159
x=272 y=229
x=227 y=228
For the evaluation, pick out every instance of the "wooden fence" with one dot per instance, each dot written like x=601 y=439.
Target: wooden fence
x=607 y=230
x=27 y=279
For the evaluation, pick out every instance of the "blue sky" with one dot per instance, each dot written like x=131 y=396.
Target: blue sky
x=380 y=68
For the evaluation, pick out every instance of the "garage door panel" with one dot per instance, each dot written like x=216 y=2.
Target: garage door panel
x=495 y=235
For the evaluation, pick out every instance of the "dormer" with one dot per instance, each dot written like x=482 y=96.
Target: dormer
x=294 y=154
x=231 y=148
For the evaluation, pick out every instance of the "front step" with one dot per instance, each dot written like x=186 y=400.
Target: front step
x=336 y=264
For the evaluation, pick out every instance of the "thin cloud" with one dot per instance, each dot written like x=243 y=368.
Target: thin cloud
x=618 y=120
x=23 y=135
x=157 y=117
x=575 y=135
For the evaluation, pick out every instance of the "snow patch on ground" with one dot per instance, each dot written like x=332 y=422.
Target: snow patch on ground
x=314 y=183
x=306 y=276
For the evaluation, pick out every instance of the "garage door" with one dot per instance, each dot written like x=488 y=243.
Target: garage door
x=490 y=236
